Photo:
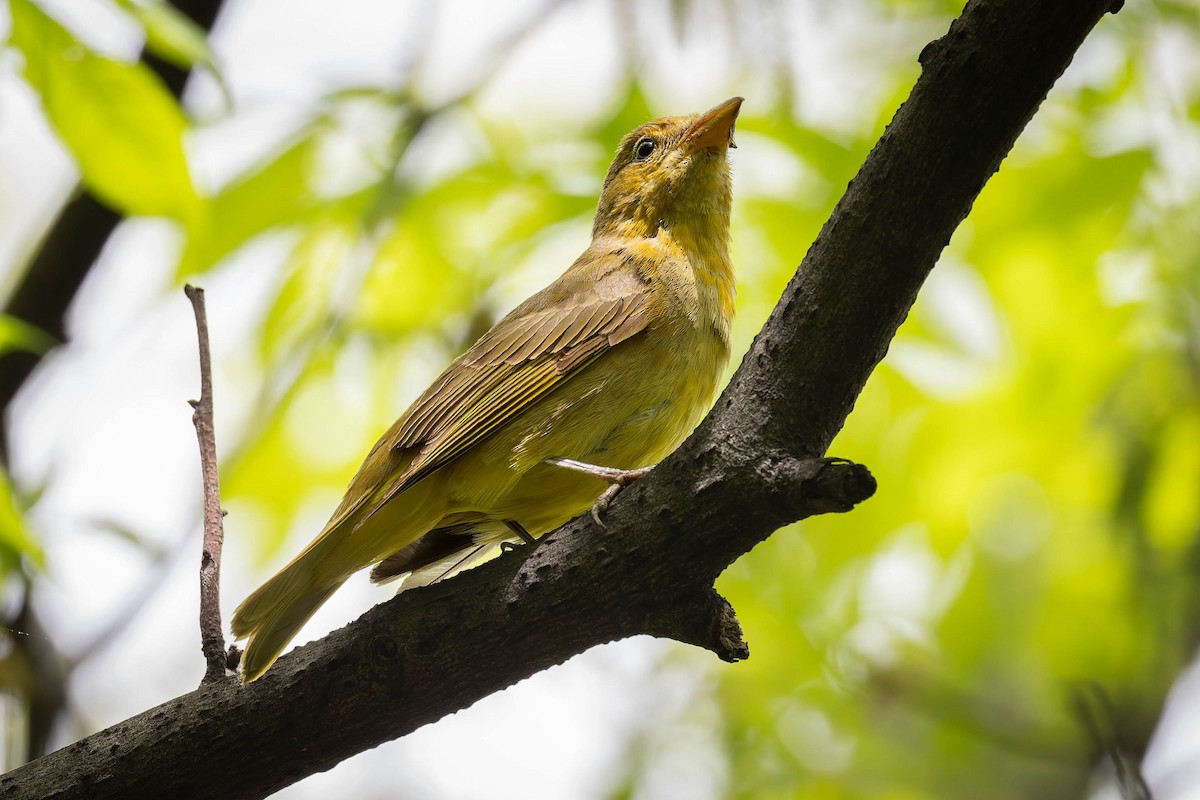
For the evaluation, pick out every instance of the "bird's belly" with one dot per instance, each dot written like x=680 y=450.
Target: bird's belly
x=624 y=412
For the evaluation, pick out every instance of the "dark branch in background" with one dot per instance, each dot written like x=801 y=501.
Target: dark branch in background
x=49 y=286
x=1100 y=719
x=37 y=650
x=71 y=247
x=212 y=635
x=752 y=466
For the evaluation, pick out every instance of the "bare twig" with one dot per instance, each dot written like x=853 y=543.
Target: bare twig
x=212 y=637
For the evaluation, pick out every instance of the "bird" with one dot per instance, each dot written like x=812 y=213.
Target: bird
x=577 y=392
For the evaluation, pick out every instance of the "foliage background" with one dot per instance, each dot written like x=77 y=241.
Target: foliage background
x=363 y=187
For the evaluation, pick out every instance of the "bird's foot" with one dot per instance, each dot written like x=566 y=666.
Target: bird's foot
x=617 y=479
x=520 y=531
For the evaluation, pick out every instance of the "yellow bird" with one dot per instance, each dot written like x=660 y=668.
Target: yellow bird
x=590 y=381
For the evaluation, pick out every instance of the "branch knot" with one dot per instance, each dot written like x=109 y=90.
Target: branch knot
x=810 y=486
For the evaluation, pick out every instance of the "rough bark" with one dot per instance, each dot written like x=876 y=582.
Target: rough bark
x=752 y=466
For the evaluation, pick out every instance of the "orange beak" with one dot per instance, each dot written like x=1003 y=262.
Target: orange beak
x=714 y=128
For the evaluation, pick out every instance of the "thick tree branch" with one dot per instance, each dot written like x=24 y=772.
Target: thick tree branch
x=753 y=466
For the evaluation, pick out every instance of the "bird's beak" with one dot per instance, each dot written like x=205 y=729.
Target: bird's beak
x=714 y=128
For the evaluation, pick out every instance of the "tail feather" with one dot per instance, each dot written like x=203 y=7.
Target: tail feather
x=433 y=547
x=276 y=611
x=446 y=568
x=273 y=614
x=276 y=628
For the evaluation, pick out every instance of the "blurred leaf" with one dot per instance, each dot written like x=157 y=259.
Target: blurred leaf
x=314 y=267
x=16 y=334
x=274 y=195
x=120 y=123
x=16 y=540
x=170 y=34
x=148 y=545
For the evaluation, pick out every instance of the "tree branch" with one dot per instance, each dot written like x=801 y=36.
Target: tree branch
x=752 y=466
x=212 y=636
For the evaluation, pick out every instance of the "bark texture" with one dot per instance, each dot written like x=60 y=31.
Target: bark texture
x=752 y=466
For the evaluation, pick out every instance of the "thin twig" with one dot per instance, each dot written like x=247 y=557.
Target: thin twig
x=212 y=637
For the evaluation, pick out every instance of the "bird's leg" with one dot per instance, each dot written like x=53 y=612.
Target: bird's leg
x=617 y=479
x=519 y=530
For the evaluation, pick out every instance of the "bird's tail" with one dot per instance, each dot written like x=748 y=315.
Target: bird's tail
x=279 y=608
x=354 y=538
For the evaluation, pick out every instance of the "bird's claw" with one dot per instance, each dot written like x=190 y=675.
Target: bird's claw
x=601 y=504
x=521 y=533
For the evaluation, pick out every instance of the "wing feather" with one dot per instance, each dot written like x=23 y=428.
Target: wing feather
x=541 y=344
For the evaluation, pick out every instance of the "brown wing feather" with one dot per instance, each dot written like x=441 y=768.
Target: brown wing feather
x=543 y=342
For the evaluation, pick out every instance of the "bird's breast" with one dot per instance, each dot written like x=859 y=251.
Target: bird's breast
x=676 y=365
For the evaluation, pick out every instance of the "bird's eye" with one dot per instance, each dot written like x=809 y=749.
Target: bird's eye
x=643 y=149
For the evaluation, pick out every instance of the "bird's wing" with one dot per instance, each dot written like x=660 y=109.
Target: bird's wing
x=597 y=304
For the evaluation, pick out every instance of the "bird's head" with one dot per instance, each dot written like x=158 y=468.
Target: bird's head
x=671 y=173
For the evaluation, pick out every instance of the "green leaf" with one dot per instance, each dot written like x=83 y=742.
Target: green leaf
x=303 y=300
x=16 y=334
x=275 y=194
x=120 y=123
x=16 y=540
x=170 y=34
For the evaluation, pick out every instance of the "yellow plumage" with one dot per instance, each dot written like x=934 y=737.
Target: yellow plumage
x=611 y=365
